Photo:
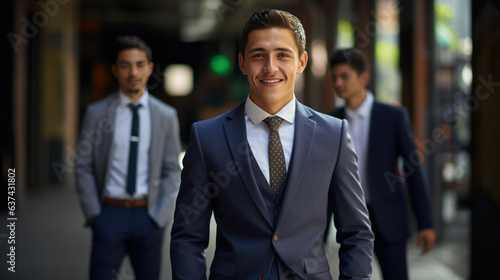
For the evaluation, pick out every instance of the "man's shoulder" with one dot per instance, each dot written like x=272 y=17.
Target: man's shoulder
x=236 y=112
x=103 y=104
x=326 y=117
x=161 y=106
x=378 y=108
x=320 y=118
x=391 y=110
x=338 y=112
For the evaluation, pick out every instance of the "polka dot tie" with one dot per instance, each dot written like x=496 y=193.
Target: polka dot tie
x=277 y=165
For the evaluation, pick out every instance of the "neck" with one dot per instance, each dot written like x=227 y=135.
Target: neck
x=134 y=96
x=271 y=107
x=354 y=102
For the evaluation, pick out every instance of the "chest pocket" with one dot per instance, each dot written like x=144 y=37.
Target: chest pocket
x=318 y=165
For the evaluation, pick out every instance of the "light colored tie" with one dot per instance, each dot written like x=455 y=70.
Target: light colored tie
x=277 y=165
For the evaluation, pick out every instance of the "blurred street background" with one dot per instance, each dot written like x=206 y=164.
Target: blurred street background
x=439 y=58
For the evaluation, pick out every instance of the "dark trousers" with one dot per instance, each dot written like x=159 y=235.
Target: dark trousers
x=119 y=231
x=391 y=256
x=392 y=260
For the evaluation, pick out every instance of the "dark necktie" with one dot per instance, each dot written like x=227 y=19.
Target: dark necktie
x=277 y=165
x=132 y=157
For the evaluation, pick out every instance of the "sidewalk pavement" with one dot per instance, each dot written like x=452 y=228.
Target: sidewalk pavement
x=52 y=244
x=448 y=260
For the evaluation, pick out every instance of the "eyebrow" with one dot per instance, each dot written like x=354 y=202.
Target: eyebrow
x=258 y=49
x=130 y=62
x=341 y=74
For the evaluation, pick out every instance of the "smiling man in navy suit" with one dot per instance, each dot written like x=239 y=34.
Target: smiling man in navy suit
x=267 y=170
x=382 y=136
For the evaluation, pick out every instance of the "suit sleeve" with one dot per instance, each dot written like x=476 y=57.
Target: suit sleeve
x=190 y=230
x=86 y=182
x=413 y=173
x=170 y=169
x=351 y=218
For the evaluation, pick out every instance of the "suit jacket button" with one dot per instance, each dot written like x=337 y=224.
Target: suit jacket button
x=275 y=238
x=262 y=277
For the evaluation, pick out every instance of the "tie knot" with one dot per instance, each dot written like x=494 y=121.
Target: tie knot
x=133 y=107
x=273 y=122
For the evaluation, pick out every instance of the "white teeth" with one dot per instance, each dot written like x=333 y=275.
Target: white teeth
x=270 y=81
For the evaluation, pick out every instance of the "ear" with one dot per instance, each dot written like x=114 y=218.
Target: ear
x=365 y=78
x=241 y=63
x=302 y=63
x=151 y=65
x=113 y=69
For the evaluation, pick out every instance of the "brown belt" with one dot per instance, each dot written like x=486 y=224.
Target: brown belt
x=126 y=203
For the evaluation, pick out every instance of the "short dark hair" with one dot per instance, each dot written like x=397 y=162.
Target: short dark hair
x=352 y=56
x=131 y=42
x=268 y=18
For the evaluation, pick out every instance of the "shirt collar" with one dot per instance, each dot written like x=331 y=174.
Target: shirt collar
x=144 y=100
x=364 y=109
x=257 y=114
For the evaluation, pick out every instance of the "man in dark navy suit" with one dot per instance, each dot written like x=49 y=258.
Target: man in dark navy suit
x=267 y=170
x=383 y=138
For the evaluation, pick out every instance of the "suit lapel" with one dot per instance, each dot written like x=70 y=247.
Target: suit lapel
x=303 y=138
x=371 y=134
x=111 y=115
x=236 y=136
x=107 y=140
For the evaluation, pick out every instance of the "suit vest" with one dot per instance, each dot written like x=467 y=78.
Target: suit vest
x=273 y=204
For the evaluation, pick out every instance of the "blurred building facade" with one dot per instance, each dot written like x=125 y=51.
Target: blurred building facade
x=437 y=57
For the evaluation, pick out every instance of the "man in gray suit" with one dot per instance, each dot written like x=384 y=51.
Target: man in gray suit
x=127 y=173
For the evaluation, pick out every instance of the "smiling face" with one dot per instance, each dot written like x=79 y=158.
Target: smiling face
x=132 y=70
x=271 y=61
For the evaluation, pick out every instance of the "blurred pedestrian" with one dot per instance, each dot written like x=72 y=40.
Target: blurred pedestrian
x=383 y=138
x=128 y=176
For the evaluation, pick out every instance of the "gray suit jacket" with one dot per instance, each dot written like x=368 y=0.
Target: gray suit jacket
x=93 y=154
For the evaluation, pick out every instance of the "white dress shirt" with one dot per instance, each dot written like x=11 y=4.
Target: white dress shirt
x=116 y=179
x=359 y=128
x=258 y=132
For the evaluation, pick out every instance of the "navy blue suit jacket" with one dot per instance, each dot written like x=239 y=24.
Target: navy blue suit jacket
x=218 y=178
x=390 y=138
